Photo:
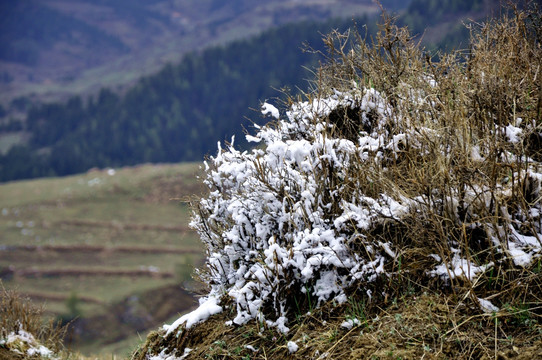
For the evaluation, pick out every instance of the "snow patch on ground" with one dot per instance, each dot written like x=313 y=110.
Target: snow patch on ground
x=165 y=355
x=206 y=308
x=487 y=306
x=459 y=267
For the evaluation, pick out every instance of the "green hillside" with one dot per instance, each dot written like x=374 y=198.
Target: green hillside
x=95 y=245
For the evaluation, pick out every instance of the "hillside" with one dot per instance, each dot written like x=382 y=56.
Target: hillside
x=179 y=113
x=110 y=248
x=54 y=49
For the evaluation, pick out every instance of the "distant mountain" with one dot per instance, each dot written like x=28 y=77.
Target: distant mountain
x=180 y=112
x=177 y=114
x=52 y=49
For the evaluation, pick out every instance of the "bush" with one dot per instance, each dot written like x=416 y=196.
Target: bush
x=397 y=168
x=23 y=334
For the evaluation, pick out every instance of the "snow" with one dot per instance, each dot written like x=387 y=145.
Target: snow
x=513 y=134
x=23 y=342
x=350 y=323
x=165 y=355
x=487 y=306
x=522 y=248
x=40 y=350
x=270 y=109
x=292 y=347
x=251 y=348
x=206 y=308
x=459 y=267
x=276 y=219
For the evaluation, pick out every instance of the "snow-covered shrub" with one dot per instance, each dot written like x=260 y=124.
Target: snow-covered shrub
x=396 y=166
x=286 y=222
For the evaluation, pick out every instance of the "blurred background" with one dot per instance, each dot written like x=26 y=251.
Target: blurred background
x=107 y=108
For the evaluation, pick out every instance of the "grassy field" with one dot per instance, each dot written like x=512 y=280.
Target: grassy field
x=101 y=237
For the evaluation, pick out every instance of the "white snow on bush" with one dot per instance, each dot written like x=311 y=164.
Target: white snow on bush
x=284 y=220
x=271 y=110
x=278 y=232
x=292 y=347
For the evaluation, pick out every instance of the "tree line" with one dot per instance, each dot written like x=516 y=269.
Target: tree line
x=177 y=114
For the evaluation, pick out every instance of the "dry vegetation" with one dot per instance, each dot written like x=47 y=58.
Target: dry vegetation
x=428 y=326
x=17 y=316
x=470 y=165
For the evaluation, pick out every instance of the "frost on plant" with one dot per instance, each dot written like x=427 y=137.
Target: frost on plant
x=352 y=186
x=291 y=219
x=286 y=219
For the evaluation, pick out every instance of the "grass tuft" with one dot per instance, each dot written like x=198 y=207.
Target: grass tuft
x=22 y=328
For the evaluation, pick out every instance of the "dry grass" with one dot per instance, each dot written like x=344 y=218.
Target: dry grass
x=18 y=313
x=426 y=326
x=471 y=181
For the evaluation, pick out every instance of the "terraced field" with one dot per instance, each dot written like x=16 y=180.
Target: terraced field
x=94 y=246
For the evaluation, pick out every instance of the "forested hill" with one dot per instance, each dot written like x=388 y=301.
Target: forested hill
x=176 y=115
x=181 y=112
x=54 y=48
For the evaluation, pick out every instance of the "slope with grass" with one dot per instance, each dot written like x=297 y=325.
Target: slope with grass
x=394 y=212
x=107 y=246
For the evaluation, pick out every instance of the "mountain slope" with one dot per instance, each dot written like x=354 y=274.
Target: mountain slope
x=54 y=48
x=175 y=115
x=180 y=113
